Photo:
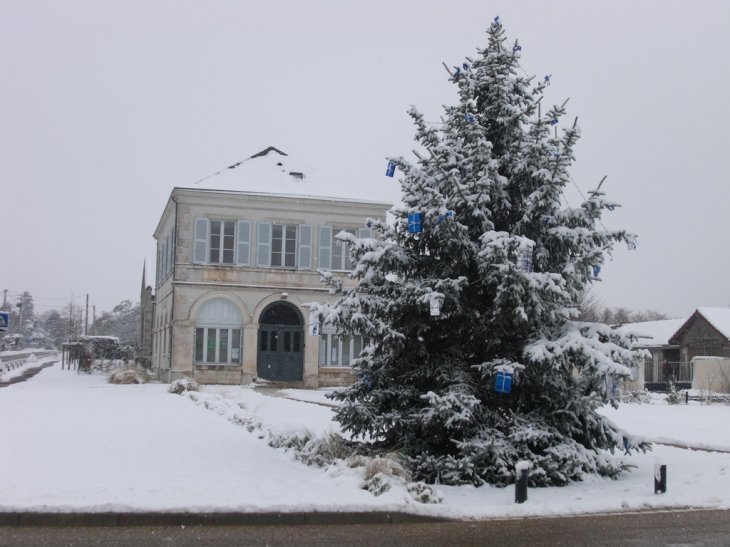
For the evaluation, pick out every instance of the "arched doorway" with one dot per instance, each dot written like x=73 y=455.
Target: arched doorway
x=281 y=344
x=218 y=327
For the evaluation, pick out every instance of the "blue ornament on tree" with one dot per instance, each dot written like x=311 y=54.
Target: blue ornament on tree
x=391 y=169
x=504 y=382
x=414 y=223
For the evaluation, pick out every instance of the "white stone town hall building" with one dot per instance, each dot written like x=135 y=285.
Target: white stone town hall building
x=237 y=255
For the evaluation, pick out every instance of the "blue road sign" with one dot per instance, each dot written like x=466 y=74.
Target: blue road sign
x=4 y=321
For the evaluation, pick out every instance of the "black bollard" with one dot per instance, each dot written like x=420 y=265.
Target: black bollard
x=660 y=478
x=521 y=470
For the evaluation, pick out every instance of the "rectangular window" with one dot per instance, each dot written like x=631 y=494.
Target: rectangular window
x=340 y=255
x=199 y=335
x=333 y=252
x=235 y=346
x=223 y=335
x=274 y=339
x=283 y=245
x=210 y=357
x=217 y=345
x=221 y=242
x=364 y=233
x=338 y=350
x=287 y=341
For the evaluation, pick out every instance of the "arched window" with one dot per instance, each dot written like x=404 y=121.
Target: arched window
x=218 y=333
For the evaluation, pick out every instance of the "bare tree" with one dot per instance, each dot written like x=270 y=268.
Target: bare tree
x=593 y=310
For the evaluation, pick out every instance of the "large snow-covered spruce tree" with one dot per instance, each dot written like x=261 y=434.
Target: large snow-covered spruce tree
x=505 y=262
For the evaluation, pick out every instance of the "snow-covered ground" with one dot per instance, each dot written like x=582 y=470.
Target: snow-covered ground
x=73 y=442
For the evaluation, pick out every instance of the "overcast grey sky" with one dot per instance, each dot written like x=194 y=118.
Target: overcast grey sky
x=106 y=105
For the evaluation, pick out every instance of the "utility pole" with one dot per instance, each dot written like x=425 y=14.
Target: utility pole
x=86 y=321
x=5 y=298
x=93 y=321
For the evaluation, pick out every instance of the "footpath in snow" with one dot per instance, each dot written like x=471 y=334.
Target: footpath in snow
x=74 y=443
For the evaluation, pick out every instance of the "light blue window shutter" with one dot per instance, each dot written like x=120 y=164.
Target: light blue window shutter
x=324 y=260
x=170 y=252
x=305 y=247
x=263 y=245
x=243 y=256
x=165 y=256
x=364 y=233
x=157 y=269
x=200 y=244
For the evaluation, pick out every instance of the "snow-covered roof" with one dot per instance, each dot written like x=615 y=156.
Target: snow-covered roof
x=272 y=171
x=718 y=318
x=653 y=333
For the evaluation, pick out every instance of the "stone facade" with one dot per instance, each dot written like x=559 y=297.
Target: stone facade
x=189 y=285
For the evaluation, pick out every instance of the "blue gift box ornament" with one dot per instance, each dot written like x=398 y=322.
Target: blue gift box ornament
x=391 y=169
x=414 y=223
x=596 y=271
x=440 y=219
x=504 y=382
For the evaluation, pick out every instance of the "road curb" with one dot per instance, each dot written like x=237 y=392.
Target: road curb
x=209 y=519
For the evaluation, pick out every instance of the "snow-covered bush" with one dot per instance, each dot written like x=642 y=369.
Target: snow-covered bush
x=182 y=385
x=380 y=472
x=675 y=397
x=312 y=450
x=423 y=493
x=128 y=374
x=636 y=396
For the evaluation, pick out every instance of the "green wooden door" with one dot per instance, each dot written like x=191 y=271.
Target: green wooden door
x=280 y=345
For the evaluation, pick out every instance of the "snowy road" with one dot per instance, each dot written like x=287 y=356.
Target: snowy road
x=686 y=529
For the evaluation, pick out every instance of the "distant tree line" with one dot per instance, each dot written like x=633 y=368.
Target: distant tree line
x=52 y=328
x=593 y=310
